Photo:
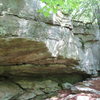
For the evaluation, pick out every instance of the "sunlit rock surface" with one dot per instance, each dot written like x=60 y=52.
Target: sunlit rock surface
x=40 y=56
x=26 y=57
x=69 y=39
x=87 y=90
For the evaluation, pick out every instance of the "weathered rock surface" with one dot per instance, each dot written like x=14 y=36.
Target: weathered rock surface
x=28 y=70
x=87 y=90
x=20 y=56
x=35 y=70
x=41 y=90
x=21 y=19
x=34 y=88
x=9 y=90
x=21 y=51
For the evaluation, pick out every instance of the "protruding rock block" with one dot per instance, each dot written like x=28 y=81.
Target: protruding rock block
x=25 y=57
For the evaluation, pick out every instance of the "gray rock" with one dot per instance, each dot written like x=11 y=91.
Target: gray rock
x=46 y=86
x=21 y=19
x=9 y=90
x=27 y=95
x=67 y=85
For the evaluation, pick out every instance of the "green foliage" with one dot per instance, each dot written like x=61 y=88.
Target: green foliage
x=87 y=10
x=84 y=10
x=66 y=6
x=51 y=6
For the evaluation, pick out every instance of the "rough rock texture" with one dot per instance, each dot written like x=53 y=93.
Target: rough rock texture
x=20 y=56
x=88 y=35
x=34 y=88
x=35 y=70
x=28 y=70
x=21 y=19
x=26 y=90
x=87 y=90
x=9 y=90
x=21 y=51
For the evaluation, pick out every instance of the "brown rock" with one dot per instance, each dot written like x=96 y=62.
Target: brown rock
x=21 y=51
x=25 y=57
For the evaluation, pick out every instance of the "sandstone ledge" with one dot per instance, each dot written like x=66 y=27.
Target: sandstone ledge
x=25 y=57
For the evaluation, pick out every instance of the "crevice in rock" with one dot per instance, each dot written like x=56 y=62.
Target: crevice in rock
x=7 y=78
x=18 y=85
x=34 y=19
x=20 y=17
x=15 y=96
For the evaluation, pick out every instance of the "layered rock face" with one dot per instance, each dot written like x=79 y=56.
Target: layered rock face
x=20 y=56
x=29 y=71
x=38 y=55
x=21 y=19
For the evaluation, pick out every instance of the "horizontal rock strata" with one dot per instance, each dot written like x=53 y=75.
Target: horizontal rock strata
x=24 y=57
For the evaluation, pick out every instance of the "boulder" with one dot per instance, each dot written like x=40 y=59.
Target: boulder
x=23 y=57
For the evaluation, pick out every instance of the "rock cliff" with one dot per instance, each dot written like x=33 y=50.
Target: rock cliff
x=70 y=39
x=39 y=54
